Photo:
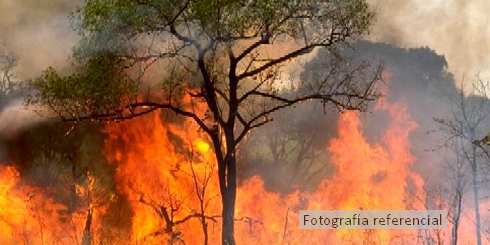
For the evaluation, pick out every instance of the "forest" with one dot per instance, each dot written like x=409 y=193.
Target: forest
x=220 y=121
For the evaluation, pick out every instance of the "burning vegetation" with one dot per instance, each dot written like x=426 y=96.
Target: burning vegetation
x=218 y=122
x=166 y=190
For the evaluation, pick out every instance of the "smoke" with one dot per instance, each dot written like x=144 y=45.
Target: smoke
x=457 y=29
x=38 y=33
x=418 y=78
x=16 y=117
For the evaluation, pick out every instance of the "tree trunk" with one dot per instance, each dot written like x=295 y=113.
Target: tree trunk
x=456 y=217
x=228 y=213
x=228 y=197
x=476 y=196
x=227 y=184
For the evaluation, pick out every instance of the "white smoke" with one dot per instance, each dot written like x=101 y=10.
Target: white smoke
x=38 y=33
x=457 y=29
x=16 y=116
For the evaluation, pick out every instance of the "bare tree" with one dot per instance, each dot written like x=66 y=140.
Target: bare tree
x=7 y=65
x=173 y=206
x=457 y=171
x=201 y=183
x=464 y=129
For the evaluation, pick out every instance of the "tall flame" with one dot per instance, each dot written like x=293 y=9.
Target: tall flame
x=27 y=216
x=161 y=168
x=165 y=171
x=369 y=176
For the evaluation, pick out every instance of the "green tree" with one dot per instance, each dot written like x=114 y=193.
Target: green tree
x=227 y=54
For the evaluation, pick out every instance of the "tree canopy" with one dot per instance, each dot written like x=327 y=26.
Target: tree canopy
x=122 y=39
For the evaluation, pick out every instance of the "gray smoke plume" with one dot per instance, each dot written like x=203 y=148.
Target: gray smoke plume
x=457 y=29
x=418 y=78
x=37 y=34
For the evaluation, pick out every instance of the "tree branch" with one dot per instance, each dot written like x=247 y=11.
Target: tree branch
x=147 y=106
x=301 y=51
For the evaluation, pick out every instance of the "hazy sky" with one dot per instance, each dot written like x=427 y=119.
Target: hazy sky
x=39 y=33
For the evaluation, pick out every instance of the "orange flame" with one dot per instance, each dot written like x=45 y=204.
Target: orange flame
x=29 y=217
x=369 y=176
x=156 y=160
x=163 y=170
x=166 y=171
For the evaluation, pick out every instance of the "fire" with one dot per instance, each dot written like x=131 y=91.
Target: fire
x=166 y=172
x=369 y=176
x=167 y=190
x=202 y=146
x=165 y=169
x=29 y=217
x=372 y=176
